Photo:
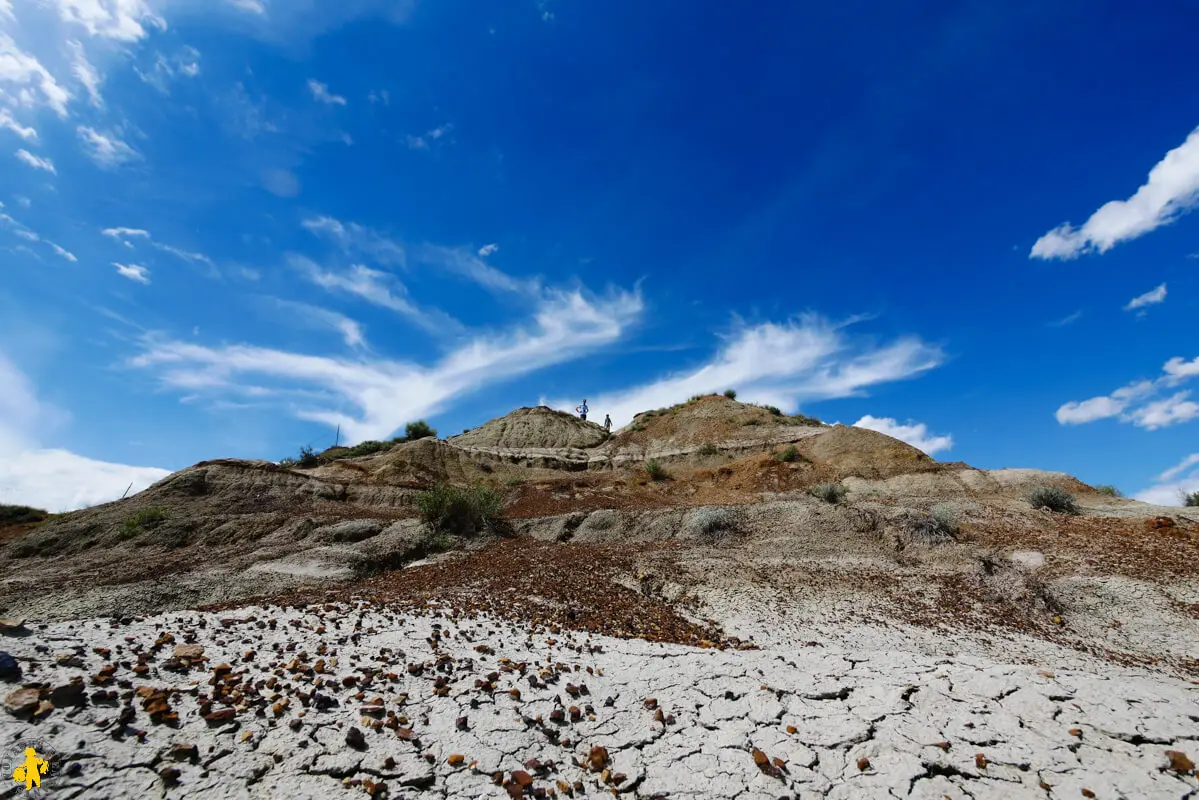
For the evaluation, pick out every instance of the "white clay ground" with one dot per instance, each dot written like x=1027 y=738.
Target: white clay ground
x=395 y=710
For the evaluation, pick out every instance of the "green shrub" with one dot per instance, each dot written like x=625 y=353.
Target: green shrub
x=694 y=398
x=1191 y=500
x=21 y=515
x=945 y=515
x=829 y=492
x=1053 y=499
x=730 y=394
x=775 y=410
x=788 y=454
x=800 y=419
x=418 y=430
x=461 y=511
x=142 y=521
x=1111 y=491
x=656 y=471
x=365 y=449
x=707 y=449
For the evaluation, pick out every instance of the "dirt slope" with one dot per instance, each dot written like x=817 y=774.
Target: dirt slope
x=538 y=427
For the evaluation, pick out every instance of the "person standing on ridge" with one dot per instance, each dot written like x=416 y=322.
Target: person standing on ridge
x=607 y=424
x=582 y=410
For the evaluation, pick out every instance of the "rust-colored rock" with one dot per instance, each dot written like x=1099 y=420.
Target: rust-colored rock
x=980 y=761
x=456 y=760
x=863 y=764
x=597 y=759
x=1179 y=761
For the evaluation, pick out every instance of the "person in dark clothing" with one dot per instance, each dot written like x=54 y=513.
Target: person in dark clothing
x=607 y=423
x=582 y=409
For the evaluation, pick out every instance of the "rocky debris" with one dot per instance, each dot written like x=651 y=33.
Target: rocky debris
x=10 y=670
x=464 y=705
x=12 y=627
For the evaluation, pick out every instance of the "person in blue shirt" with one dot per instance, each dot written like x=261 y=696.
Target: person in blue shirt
x=582 y=410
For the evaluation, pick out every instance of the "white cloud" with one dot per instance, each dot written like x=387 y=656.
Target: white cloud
x=488 y=249
x=62 y=251
x=108 y=151
x=424 y=141
x=6 y=10
x=122 y=20
x=380 y=96
x=320 y=92
x=1179 y=468
x=125 y=235
x=133 y=272
x=25 y=82
x=1152 y=297
x=781 y=365
x=56 y=480
x=36 y=162
x=184 y=63
x=1171 y=190
x=355 y=239
x=122 y=235
x=281 y=182
x=314 y=316
x=1173 y=484
x=378 y=288
x=914 y=433
x=1178 y=370
x=1067 y=320
x=1165 y=412
x=463 y=262
x=85 y=73
x=250 y=6
x=7 y=121
x=389 y=393
x=1132 y=403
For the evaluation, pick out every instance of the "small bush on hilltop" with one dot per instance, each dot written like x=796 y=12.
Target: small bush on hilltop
x=1191 y=500
x=730 y=394
x=1053 y=499
x=1110 y=491
x=461 y=511
x=21 y=515
x=418 y=430
x=656 y=471
x=829 y=492
x=707 y=449
x=714 y=523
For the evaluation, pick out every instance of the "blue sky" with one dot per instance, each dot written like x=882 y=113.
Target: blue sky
x=231 y=226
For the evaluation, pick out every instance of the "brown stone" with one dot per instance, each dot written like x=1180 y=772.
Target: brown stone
x=863 y=764
x=1087 y=793
x=791 y=729
x=980 y=761
x=183 y=752
x=220 y=717
x=1076 y=732
x=522 y=778
x=456 y=760
x=355 y=739
x=761 y=759
x=1179 y=761
x=68 y=694
x=192 y=652
x=170 y=775
x=597 y=759
x=22 y=702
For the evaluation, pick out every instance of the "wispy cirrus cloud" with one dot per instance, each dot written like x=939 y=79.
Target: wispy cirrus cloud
x=1135 y=402
x=1149 y=298
x=109 y=151
x=133 y=272
x=378 y=288
x=44 y=164
x=357 y=240
x=1171 y=190
x=914 y=433
x=320 y=92
x=7 y=122
x=1066 y=320
x=780 y=364
x=85 y=73
x=127 y=236
x=310 y=316
x=120 y=20
x=23 y=231
x=488 y=249
x=428 y=138
x=387 y=393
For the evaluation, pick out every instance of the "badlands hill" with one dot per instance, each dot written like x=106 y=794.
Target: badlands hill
x=724 y=600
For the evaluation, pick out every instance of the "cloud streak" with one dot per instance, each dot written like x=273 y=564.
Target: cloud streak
x=108 y=151
x=44 y=164
x=388 y=393
x=1170 y=487
x=1150 y=298
x=805 y=359
x=1171 y=190
x=320 y=92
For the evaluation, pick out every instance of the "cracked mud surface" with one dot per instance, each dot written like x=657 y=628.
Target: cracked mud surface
x=340 y=700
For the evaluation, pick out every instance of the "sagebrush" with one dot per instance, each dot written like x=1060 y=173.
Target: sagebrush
x=1110 y=491
x=1191 y=500
x=655 y=470
x=1053 y=499
x=829 y=492
x=788 y=454
x=460 y=510
x=714 y=523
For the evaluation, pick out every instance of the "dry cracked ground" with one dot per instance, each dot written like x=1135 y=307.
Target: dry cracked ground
x=339 y=699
